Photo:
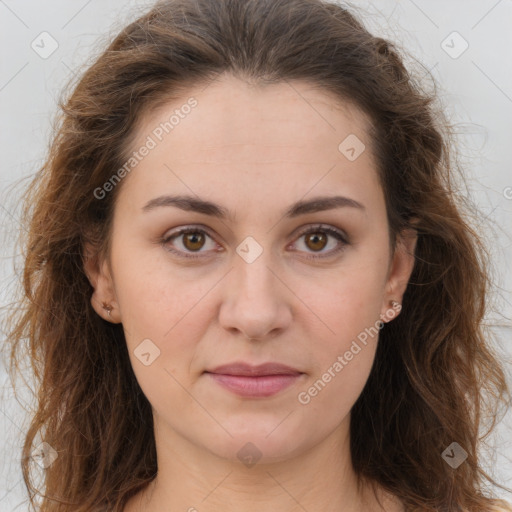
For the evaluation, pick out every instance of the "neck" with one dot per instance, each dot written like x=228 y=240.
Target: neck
x=193 y=479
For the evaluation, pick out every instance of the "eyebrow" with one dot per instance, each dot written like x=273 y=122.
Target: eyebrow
x=195 y=204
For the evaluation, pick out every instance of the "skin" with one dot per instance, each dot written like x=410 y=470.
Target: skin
x=255 y=151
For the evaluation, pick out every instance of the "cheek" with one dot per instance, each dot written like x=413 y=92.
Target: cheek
x=165 y=315
x=342 y=361
x=350 y=300
x=331 y=393
x=153 y=293
x=167 y=305
x=347 y=310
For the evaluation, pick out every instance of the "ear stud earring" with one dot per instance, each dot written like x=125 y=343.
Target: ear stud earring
x=107 y=307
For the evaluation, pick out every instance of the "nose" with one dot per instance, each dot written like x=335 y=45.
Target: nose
x=256 y=301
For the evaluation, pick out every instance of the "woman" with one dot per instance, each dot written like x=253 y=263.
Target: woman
x=248 y=282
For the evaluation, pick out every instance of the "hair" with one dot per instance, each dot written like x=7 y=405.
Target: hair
x=435 y=379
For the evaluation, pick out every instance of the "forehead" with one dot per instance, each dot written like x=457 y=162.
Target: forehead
x=231 y=111
x=256 y=137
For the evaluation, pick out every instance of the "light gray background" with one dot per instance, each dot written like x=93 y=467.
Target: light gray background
x=475 y=89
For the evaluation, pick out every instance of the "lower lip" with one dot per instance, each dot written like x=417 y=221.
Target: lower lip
x=262 y=386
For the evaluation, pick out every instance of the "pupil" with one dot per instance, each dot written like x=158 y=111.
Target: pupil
x=315 y=237
x=193 y=238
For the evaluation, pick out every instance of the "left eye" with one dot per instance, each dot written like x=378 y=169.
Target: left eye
x=193 y=240
x=316 y=238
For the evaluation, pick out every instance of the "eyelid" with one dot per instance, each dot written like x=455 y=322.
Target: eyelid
x=183 y=230
x=331 y=231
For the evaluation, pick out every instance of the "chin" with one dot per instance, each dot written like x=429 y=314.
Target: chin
x=262 y=445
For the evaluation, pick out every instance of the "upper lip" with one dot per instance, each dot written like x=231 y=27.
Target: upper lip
x=241 y=368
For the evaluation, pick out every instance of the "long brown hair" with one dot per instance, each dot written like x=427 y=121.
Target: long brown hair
x=435 y=380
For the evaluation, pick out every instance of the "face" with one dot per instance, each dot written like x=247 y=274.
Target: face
x=259 y=279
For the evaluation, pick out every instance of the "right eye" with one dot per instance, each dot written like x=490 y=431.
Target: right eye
x=192 y=241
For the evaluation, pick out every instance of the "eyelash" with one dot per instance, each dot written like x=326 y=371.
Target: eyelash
x=313 y=229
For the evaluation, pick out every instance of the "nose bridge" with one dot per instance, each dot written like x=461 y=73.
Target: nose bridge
x=252 y=276
x=255 y=302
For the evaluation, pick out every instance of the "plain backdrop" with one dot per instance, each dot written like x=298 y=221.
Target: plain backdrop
x=465 y=44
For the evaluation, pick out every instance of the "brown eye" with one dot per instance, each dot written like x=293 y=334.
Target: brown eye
x=317 y=238
x=188 y=241
x=316 y=241
x=193 y=241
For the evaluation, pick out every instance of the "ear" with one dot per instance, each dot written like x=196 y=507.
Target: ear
x=399 y=273
x=97 y=270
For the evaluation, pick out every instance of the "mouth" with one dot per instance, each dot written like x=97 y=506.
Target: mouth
x=255 y=381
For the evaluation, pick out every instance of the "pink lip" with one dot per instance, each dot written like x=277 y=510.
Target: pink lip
x=254 y=381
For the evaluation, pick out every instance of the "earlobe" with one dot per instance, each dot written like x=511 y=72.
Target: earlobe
x=103 y=298
x=400 y=271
